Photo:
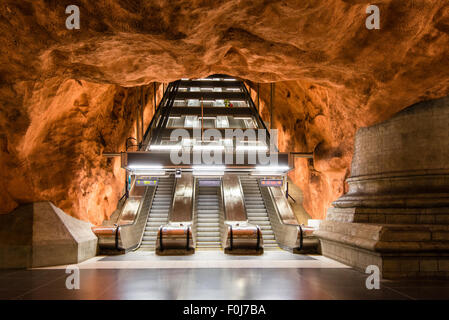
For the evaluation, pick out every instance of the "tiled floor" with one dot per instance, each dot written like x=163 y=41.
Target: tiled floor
x=145 y=276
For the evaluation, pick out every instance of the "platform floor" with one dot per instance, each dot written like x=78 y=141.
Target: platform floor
x=211 y=275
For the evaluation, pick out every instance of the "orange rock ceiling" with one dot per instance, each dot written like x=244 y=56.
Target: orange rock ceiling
x=66 y=96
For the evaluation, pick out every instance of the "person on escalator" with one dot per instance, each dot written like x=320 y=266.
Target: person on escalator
x=228 y=103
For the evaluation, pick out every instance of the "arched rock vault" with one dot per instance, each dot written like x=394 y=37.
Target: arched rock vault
x=66 y=96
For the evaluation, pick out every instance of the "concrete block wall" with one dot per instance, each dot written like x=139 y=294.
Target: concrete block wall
x=40 y=234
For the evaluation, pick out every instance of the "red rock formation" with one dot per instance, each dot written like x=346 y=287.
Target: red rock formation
x=312 y=118
x=336 y=76
x=58 y=157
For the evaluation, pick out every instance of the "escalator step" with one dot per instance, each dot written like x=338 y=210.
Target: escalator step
x=158 y=215
x=208 y=229
x=206 y=234
x=201 y=238
x=208 y=224
x=209 y=245
x=260 y=220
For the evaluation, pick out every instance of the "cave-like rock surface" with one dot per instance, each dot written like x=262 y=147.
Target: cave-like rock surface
x=66 y=96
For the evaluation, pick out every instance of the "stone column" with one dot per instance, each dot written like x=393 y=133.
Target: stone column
x=396 y=212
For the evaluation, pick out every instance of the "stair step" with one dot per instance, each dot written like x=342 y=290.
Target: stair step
x=256 y=214
x=158 y=215
x=260 y=219
x=213 y=223
x=208 y=245
x=254 y=207
x=207 y=229
x=201 y=238
x=207 y=219
x=208 y=208
x=156 y=219
x=160 y=206
x=212 y=233
x=207 y=211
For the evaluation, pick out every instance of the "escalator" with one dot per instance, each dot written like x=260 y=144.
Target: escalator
x=256 y=211
x=208 y=212
x=159 y=211
x=205 y=206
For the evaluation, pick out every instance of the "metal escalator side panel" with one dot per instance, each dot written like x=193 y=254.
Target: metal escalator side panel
x=234 y=205
x=285 y=211
x=224 y=228
x=129 y=211
x=120 y=236
x=240 y=235
x=176 y=236
x=182 y=206
x=128 y=205
x=288 y=232
x=129 y=236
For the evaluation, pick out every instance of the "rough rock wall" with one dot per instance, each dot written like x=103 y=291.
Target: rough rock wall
x=344 y=76
x=312 y=118
x=55 y=149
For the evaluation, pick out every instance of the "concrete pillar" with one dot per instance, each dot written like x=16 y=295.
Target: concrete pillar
x=396 y=212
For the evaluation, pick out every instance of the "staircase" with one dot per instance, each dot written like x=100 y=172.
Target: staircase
x=256 y=212
x=208 y=209
x=158 y=216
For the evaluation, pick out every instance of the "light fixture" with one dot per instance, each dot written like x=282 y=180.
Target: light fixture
x=153 y=173
x=251 y=148
x=208 y=173
x=209 y=168
x=172 y=147
x=208 y=147
x=145 y=167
